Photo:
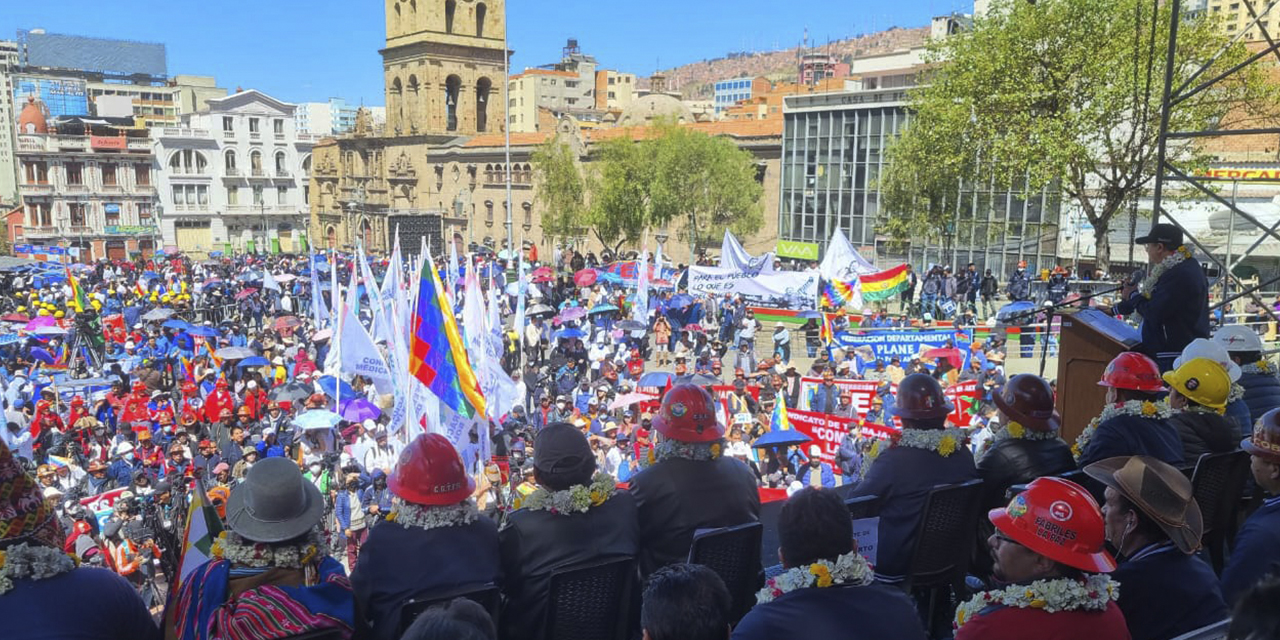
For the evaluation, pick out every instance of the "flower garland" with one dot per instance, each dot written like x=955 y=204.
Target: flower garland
x=1015 y=431
x=848 y=568
x=236 y=550
x=1142 y=408
x=1093 y=593
x=420 y=516
x=576 y=499
x=33 y=562
x=1236 y=392
x=1263 y=367
x=943 y=441
x=700 y=451
x=1170 y=261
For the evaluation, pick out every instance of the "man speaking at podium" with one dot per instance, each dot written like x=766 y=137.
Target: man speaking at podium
x=1173 y=298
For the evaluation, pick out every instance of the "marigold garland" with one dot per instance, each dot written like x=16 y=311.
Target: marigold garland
x=231 y=547
x=32 y=562
x=1141 y=408
x=1093 y=593
x=849 y=568
x=576 y=499
x=420 y=516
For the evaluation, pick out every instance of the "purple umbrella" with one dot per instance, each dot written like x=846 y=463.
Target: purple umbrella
x=572 y=313
x=359 y=410
x=41 y=321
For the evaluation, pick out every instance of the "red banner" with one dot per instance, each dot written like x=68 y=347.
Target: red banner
x=113 y=328
x=827 y=431
x=963 y=395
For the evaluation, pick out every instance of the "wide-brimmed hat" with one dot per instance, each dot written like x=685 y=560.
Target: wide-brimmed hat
x=1159 y=490
x=1028 y=400
x=274 y=503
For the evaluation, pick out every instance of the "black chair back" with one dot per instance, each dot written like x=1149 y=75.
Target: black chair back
x=486 y=595
x=731 y=552
x=945 y=534
x=591 y=601
x=1217 y=483
x=863 y=507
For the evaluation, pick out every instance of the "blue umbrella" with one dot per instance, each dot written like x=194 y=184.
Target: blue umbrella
x=206 y=332
x=610 y=277
x=1014 y=308
x=810 y=314
x=603 y=308
x=570 y=333
x=175 y=324
x=317 y=419
x=781 y=438
x=334 y=387
x=655 y=379
x=255 y=361
x=42 y=355
x=680 y=300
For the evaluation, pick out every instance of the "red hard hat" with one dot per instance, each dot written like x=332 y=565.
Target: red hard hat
x=188 y=387
x=221 y=383
x=1059 y=520
x=920 y=397
x=77 y=401
x=688 y=414
x=430 y=472
x=138 y=385
x=1133 y=371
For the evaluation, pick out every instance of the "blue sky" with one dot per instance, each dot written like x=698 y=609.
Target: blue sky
x=307 y=51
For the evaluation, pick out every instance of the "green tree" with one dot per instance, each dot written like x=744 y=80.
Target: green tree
x=621 y=198
x=1067 y=93
x=562 y=188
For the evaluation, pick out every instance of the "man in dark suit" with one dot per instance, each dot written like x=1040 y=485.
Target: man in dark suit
x=1256 y=555
x=1175 y=310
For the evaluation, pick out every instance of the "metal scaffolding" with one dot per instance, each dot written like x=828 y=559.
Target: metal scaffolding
x=1167 y=169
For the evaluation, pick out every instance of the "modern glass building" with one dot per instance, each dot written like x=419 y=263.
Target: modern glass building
x=833 y=151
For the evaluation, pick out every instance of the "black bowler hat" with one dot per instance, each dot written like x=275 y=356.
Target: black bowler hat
x=1162 y=233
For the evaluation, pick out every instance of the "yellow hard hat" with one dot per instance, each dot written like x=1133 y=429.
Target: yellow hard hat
x=1202 y=381
x=96 y=304
x=59 y=314
x=22 y=308
x=44 y=312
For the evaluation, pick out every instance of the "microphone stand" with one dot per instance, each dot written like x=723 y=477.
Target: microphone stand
x=1050 y=311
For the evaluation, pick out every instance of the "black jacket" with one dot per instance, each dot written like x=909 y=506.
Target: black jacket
x=1165 y=593
x=535 y=543
x=1176 y=314
x=398 y=563
x=1203 y=433
x=677 y=497
x=1018 y=461
x=872 y=612
x=1261 y=393
x=903 y=477
x=1127 y=435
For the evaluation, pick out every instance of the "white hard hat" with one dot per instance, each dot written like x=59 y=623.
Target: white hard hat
x=815 y=450
x=124 y=448
x=1205 y=348
x=1235 y=338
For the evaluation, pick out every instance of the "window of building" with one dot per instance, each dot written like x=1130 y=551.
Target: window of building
x=257 y=196
x=277 y=126
x=483 y=89
x=227 y=123
x=109 y=175
x=281 y=169
x=144 y=213
x=488 y=211
x=481 y=12
x=202 y=194
x=253 y=125
x=229 y=161
x=77 y=211
x=111 y=212
x=450 y=7
x=255 y=162
x=528 y=214
x=142 y=175
x=35 y=172
x=39 y=215
x=282 y=195
x=233 y=195
x=452 y=85
x=75 y=173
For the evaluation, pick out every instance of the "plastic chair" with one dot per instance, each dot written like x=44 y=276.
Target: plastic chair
x=940 y=559
x=1217 y=483
x=486 y=595
x=1215 y=631
x=591 y=601
x=863 y=507
x=731 y=552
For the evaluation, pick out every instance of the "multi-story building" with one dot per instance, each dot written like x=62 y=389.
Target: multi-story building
x=8 y=167
x=832 y=154
x=820 y=66
x=86 y=184
x=731 y=91
x=335 y=117
x=575 y=86
x=1234 y=16
x=195 y=91
x=614 y=90
x=234 y=177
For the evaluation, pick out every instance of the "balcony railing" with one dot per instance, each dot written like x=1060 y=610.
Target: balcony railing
x=228 y=135
x=232 y=172
x=255 y=135
x=40 y=231
x=282 y=173
x=258 y=173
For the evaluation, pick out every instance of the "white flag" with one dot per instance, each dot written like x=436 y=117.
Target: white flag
x=640 y=312
x=360 y=356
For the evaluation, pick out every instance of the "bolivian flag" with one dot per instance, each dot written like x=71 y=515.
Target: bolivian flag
x=884 y=285
x=79 y=301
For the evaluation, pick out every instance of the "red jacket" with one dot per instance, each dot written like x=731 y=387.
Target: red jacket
x=1012 y=623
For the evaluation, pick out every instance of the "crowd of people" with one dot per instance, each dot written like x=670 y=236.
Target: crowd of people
x=135 y=389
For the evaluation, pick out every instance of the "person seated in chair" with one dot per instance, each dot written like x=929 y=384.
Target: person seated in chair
x=574 y=516
x=1256 y=555
x=1154 y=523
x=685 y=602
x=1051 y=567
x=1133 y=422
x=434 y=541
x=1198 y=393
x=1259 y=377
x=828 y=590
x=1026 y=446
x=926 y=455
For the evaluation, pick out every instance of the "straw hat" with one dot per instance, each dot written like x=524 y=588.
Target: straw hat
x=1160 y=491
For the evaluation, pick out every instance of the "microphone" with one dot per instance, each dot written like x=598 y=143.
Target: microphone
x=1136 y=277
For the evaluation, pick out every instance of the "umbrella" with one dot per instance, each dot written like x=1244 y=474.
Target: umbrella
x=543 y=272
x=321 y=335
x=781 y=438
x=317 y=419
x=808 y=314
x=585 y=278
x=245 y=293
x=570 y=333
x=693 y=326
x=203 y=331
x=655 y=379
x=156 y=315
x=611 y=277
x=249 y=276
x=42 y=321
x=628 y=399
x=541 y=278
x=954 y=355
x=571 y=314
x=292 y=392
x=603 y=308
x=539 y=310
x=337 y=388
x=359 y=410
x=42 y=355
x=234 y=353
x=286 y=277
x=50 y=331
x=699 y=379
x=15 y=317
x=210 y=281
x=286 y=322
x=254 y=361
x=631 y=325
x=1013 y=309
x=681 y=300
x=175 y=324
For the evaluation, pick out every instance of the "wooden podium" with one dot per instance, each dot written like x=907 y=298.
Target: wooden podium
x=1089 y=340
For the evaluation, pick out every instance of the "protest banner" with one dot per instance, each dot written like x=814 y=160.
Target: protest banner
x=103 y=505
x=905 y=344
x=779 y=290
x=827 y=431
x=963 y=395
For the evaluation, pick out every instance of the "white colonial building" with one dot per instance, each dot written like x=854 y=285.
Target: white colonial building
x=234 y=178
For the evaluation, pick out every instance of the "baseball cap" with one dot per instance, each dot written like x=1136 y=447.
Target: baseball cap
x=1162 y=233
